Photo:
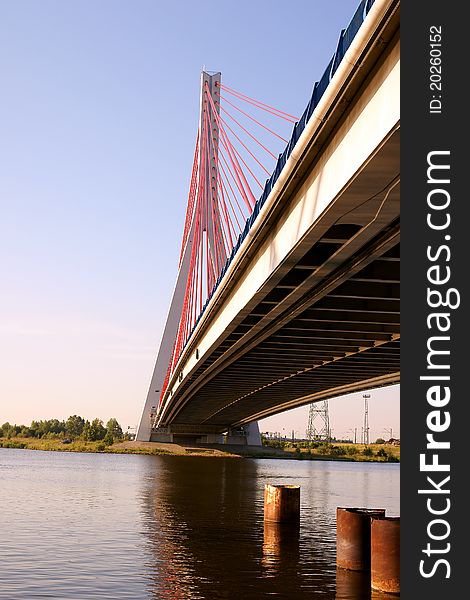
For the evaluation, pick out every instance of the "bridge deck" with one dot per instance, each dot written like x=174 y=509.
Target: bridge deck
x=310 y=308
x=332 y=321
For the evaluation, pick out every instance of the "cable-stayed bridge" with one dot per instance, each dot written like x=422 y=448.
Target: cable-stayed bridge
x=288 y=280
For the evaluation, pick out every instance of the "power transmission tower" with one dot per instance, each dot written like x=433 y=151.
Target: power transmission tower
x=318 y=414
x=366 y=419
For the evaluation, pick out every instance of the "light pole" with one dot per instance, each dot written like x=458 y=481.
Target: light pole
x=366 y=418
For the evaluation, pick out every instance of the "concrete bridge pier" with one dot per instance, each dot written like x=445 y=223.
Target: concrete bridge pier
x=248 y=435
x=253 y=437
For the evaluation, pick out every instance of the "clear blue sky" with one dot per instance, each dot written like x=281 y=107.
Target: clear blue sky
x=98 y=116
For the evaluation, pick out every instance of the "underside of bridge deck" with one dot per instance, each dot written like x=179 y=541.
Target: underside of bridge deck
x=311 y=309
x=327 y=322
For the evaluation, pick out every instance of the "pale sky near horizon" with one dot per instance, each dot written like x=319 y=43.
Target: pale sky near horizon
x=98 y=117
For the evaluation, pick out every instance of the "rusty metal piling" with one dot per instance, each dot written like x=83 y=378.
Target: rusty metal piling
x=353 y=537
x=282 y=503
x=385 y=554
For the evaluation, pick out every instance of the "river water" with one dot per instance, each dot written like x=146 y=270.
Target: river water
x=110 y=526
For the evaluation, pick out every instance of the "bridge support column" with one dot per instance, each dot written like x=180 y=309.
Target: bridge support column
x=186 y=435
x=248 y=435
x=162 y=435
x=170 y=332
x=253 y=437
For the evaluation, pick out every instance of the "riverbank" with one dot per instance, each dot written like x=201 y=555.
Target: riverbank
x=130 y=447
x=151 y=448
x=342 y=452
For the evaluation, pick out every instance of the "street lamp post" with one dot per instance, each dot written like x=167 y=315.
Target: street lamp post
x=366 y=418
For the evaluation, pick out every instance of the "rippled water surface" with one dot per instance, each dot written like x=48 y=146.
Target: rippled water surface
x=97 y=526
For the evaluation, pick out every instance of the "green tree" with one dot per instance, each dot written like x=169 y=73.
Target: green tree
x=114 y=429
x=97 y=430
x=55 y=426
x=74 y=426
x=86 y=432
x=10 y=431
x=43 y=428
x=34 y=428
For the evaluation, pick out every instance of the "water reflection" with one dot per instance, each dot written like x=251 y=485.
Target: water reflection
x=352 y=585
x=280 y=548
x=203 y=522
x=112 y=527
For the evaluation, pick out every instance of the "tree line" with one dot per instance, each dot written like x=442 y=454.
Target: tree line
x=74 y=428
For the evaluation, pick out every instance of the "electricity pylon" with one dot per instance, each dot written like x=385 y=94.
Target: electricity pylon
x=318 y=422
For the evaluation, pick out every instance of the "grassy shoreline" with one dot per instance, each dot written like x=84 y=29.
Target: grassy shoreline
x=56 y=445
x=152 y=448
x=349 y=452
